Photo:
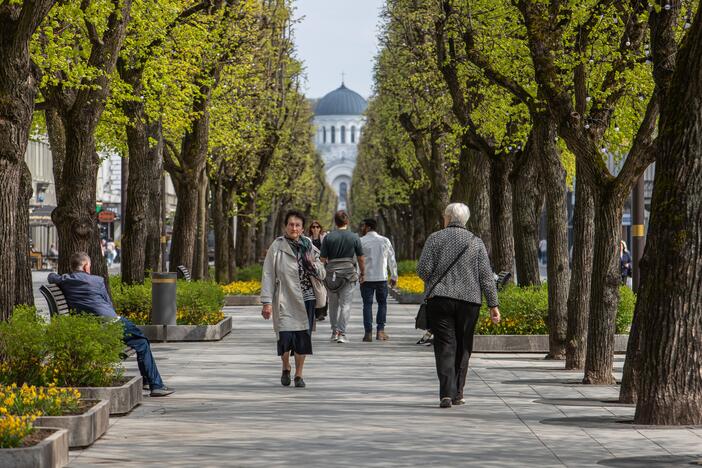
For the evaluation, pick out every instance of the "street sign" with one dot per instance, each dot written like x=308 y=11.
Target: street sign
x=106 y=216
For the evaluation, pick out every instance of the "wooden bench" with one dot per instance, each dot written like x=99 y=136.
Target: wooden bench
x=54 y=299
x=183 y=272
x=502 y=278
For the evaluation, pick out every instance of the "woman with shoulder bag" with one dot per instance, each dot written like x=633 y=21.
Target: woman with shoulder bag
x=292 y=272
x=456 y=271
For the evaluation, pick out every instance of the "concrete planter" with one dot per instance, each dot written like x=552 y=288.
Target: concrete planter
x=122 y=399
x=52 y=452
x=526 y=343
x=404 y=298
x=188 y=332
x=242 y=300
x=83 y=429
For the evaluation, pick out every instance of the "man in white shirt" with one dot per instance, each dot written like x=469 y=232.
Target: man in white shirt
x=380 y=257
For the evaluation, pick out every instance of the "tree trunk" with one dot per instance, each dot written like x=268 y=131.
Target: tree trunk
x=501 y=214
x=472 y=187
x=670 y=390
x=201 y=260
x=24 y=290
x=75 y=217
x=184 y=225
x=246 y=227
x=581 y=276
x=221 y=232
x=557 y=238
x=138 y=196
x=631 y=375
x=18 y=89
x=231 y=220
x=604 y=295
x=154 y=217
x=528 y=201
x=55 y=128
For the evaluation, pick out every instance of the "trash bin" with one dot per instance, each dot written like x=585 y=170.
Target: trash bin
x=163 y=298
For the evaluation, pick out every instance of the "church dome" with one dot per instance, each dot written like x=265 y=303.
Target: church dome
x=341 y=101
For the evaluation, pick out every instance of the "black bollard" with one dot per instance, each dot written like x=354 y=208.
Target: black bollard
x=163 y=298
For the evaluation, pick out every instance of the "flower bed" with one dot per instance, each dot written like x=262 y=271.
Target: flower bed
x=242 y=288
x=57 y=407
x=523 y=310
x=197 y=302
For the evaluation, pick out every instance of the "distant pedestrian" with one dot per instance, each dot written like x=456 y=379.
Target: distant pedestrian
x=316 y=233
x=624 y=262
x=341 y=251
x=288 y=294
x=379 y=258
x=456 y=271
x=110 y=252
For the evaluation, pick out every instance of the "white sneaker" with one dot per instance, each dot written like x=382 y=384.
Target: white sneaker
x=334 y=336
x=342 y=338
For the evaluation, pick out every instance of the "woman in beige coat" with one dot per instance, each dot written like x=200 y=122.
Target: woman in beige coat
x=288 y=294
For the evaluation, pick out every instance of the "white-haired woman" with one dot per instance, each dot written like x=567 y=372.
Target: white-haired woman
x=456 y=271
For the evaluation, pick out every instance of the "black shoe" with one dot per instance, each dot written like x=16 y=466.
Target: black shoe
x=458 y=401
x=285 y=378
x=445 y=403
x=299 y=383
x=159 y=392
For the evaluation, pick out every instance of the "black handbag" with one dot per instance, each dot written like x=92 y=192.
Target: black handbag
x=421 y=321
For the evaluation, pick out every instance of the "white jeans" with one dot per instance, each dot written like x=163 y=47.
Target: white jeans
x=340 y=306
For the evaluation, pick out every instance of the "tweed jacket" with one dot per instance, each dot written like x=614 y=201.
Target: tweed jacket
x=469 y=278
x=280 y=286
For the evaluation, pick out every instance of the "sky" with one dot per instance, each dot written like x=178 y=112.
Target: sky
x=335 y=37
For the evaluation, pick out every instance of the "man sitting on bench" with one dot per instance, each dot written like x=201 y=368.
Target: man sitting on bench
x=87 y=293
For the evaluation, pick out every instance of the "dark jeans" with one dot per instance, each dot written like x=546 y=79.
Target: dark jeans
x=147 y=366
x=380 y=288
x=453 y=323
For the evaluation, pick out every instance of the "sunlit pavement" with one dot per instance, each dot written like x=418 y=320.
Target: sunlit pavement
x=373 y=404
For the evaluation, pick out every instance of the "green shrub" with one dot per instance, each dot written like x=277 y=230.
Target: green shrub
x=197 y=302
x=407 y=267
x=625 y=313
x=22 y=347
x=72 y=350
x=251 y=272
x=523 y=311
x=84 y=350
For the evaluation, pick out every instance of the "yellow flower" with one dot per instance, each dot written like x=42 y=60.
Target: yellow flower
x=242 y=288
x=410 y=284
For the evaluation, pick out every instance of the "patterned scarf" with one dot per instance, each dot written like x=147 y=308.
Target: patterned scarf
x=302 y=247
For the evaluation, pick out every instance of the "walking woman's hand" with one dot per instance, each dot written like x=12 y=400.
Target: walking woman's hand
x=495 y=315
x=267 y=311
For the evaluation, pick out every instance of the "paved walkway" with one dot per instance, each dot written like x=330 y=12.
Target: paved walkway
x=372 y=405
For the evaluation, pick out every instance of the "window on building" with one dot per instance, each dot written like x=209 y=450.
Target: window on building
x=333 y=134
x=343 y=193
x=343 y=134
x=353 y=134
x=324 y=134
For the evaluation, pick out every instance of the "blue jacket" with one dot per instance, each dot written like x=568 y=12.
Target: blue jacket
x=85 y=293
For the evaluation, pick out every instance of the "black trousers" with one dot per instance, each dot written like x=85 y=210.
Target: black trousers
x=453 y=323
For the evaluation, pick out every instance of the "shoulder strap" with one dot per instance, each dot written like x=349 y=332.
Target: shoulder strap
x=443 y=275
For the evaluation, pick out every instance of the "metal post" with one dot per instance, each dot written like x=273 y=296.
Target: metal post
x=163 y=298
x=638 y=240
x=164 y=209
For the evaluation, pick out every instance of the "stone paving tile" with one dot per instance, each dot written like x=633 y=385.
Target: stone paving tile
x=366 y=404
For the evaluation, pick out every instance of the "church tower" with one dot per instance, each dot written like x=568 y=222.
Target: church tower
x=338 y=119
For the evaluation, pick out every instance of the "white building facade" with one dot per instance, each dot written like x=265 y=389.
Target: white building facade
x=338 y=120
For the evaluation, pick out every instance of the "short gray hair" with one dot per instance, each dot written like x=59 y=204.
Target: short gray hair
x=79 y=259
x=457 y=213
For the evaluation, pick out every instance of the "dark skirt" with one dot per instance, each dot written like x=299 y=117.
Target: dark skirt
x=300 y=341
